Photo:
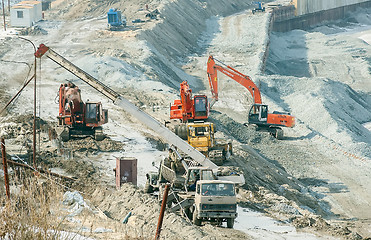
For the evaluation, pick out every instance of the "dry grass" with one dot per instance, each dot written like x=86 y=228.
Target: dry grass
x=35 y=211
x=29 y=213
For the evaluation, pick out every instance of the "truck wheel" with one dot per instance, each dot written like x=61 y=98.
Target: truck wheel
x=188 y=213
x=196 y=221
x=230 y=222
x=147 y=187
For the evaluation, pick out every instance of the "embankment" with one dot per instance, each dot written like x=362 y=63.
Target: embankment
x=176 y=38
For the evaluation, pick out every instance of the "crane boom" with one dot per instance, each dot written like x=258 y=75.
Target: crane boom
x=129 y=107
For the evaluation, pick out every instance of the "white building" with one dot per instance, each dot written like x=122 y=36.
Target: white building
x=25 y=14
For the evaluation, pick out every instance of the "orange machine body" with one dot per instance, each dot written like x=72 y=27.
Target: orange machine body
x=188 y=107
x=73 y=112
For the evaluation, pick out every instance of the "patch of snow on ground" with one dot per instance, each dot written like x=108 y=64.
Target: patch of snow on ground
x=262 y=227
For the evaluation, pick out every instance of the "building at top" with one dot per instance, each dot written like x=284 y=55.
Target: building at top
x=25 y=14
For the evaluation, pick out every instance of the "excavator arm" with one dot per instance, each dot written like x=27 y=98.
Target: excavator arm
x=244 y=80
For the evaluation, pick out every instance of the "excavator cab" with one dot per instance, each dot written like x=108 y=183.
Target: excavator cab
x=201 y=107
x=258 y=114
x=95 y=115
x=92 y=112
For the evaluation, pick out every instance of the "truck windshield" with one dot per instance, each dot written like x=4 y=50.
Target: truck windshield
x=217 y=189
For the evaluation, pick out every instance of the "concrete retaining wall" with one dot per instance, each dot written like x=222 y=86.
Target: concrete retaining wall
x=310 y=6
x=312 y=19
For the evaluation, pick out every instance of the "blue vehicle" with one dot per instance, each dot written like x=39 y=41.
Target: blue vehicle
x=115 y=20
x=259 y=8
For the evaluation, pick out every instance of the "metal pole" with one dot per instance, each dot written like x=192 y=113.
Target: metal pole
x=162 y=212
x=34 y=118
x=34 y=105
x=9 y=6
x=3 y=14
x=6 y=177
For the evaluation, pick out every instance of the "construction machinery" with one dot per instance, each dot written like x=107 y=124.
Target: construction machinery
x=79 y=119
x=192 y=111
x=188 y=107
x=259 y=8
x=196 y=191
x=258 y=114
x=115 y=20
x=216 y=207
x=130 y=108
x=201 y=135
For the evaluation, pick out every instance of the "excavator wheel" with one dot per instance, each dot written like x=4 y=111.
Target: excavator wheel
x=181 y=131
x=63 y=133
x=278 y=134
x=99 y=135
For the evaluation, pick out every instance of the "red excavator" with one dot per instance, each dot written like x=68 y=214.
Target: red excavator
x=189 y=108
x=258 y=114
x=76 y=118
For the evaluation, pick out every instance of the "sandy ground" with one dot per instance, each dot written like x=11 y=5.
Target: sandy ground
x=320 y=172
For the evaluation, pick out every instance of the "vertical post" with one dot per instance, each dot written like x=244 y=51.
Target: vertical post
x=6 y=177
x=3 y=14
x=34 y=119
x=9 y=7
x=34 y=113
x=162 y=212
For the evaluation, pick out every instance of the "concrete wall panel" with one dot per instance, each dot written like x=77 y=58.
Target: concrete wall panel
x=311 y=6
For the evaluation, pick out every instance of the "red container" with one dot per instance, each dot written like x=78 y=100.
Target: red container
x=126 y=171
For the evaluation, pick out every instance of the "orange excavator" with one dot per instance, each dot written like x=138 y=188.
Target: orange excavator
x=75 y=118
x=258 y=114
x=189 y=108
x=79 y=119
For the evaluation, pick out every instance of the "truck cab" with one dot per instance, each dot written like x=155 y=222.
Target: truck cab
x=215 y=201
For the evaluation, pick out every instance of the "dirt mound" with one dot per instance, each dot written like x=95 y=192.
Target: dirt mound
x=91 y=146
x=145 y=210
x=34 y=30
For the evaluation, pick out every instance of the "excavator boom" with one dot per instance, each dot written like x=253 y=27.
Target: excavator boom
x=244 y=80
